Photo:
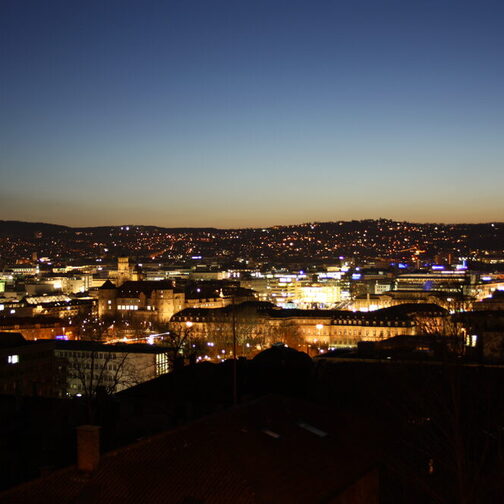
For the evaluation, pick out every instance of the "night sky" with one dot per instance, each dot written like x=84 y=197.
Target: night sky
x=251 y=113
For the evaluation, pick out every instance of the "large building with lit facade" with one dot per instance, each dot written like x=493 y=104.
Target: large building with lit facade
x=158 y=301
x=149 y=300
x=298 y=291
x=260 y=324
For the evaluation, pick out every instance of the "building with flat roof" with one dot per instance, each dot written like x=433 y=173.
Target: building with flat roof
x=60 y=368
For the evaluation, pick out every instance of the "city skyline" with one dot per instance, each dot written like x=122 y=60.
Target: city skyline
x=234 y=115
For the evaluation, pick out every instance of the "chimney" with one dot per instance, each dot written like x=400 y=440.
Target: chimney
x=88 y=448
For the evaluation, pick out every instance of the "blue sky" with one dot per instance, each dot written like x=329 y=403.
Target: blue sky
x=250 y=113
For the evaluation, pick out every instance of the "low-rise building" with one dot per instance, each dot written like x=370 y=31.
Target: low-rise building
x=59 y=368
x=259 y=324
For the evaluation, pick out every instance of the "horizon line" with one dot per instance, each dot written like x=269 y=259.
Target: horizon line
x=252 y=227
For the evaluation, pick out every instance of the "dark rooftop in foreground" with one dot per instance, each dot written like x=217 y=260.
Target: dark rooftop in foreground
x=11 y=339
x=272 y=450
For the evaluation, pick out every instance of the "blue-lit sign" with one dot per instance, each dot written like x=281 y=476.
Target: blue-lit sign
x=356 y=276
x=402 y=265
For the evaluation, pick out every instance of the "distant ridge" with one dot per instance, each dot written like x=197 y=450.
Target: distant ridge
x=303 y=242
x=22 y=227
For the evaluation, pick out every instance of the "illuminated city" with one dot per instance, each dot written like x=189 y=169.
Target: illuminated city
x=251 y=252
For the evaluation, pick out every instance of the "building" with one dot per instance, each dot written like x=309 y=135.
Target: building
x=59 y=368
x=38 y=327
x=495 y=302
x=451 y=281
x=144 y=299
x=159 y=300
x=300 y=291
x=60 y=305
x=126 y=271
x=259 y=324
x=451 y=301
x=484 y=332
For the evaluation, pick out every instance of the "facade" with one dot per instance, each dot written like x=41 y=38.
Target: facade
x=37 y=327
x=159 y=300
x=91 y=365
x=260 y=324
x=148 y=300
x=444 y=281
x=56 y=368
x=485 y=332
x=298 y=290
x=447 y=300
x=60 y=305
x=495 y=302
x=51 y=306
x=126 y=272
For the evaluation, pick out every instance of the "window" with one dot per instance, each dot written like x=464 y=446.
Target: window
x=13 y=359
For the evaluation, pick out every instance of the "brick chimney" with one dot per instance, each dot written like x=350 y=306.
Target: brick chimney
x=88 y=448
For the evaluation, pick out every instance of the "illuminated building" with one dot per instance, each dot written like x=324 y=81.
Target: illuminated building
x=444 y=281
x=159 y=300
x=264 y=324
x=495 y=302
x=292 y=290
x=149 y=300
x=320 y=295
x=37 y=327
x=447 y=300
x=126 y=272
x=60 y=368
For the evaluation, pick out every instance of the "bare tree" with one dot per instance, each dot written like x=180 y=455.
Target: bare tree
x=95 y=370
x=184 y=341
x=447 y=328
x=288 y=333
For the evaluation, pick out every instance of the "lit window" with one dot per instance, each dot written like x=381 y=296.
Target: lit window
x=13 y=359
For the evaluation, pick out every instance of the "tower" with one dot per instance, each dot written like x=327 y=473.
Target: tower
x=123 y=270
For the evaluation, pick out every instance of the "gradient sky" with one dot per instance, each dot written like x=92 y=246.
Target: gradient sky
x=251 y=113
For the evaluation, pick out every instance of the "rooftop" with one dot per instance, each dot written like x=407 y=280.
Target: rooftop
x=268 y=451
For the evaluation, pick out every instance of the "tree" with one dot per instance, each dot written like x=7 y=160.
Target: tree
x=451 y=435
x=93 y=368
x=97 y=370
x=288 y=333
x=447 y=328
